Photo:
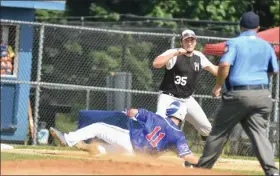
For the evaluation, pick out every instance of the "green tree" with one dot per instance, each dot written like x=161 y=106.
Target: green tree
x=51 y=16
x=275 y=11
x=110 y=60
x=216 y=10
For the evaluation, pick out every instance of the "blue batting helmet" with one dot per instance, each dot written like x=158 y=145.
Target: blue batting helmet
x=174 y=110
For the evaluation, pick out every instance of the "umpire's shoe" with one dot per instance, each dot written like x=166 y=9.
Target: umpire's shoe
x=59 y=135
x=188 y=164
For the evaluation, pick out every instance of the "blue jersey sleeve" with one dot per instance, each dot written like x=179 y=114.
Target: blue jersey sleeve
x=229 y=53
x=143 y=115
x=273 y=65
x=182 y=146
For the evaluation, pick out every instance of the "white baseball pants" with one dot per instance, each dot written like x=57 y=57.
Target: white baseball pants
x=192 y=110
x=117 y=137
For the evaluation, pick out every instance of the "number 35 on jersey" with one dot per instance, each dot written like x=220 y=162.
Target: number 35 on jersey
x=182 y=80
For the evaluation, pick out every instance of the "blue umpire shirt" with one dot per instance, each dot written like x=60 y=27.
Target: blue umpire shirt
x=251 y=58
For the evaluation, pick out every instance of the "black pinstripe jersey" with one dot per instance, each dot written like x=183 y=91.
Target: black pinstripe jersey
x=182 y=78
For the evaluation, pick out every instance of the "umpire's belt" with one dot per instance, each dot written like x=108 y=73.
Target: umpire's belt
x=177 y=96
x=250 y=87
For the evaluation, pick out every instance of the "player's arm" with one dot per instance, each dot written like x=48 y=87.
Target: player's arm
x=207 y=65
x=132 y=112
x=191 y=158
x=139 y=114
x=184 y=151
x=163 y=59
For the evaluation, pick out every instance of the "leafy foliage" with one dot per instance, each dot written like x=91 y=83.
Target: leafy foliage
x=275 y=11
x=51 y=15
x=214 y=10
x=90 y=59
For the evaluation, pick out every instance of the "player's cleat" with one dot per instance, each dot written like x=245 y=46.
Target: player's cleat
x=58 y=135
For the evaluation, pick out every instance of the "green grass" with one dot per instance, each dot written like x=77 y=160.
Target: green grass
x=241 y=172
x=13 y=156
x=244 y=157
x=47 y=147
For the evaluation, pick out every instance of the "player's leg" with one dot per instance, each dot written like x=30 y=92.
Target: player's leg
x=163 y=103
x=113 y=135
x=197 y=117
x=93 y=149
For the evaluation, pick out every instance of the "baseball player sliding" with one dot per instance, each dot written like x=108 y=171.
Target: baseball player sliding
x=155 y=133
x=182 y=69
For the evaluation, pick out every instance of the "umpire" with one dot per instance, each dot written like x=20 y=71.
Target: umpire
x=245 y=67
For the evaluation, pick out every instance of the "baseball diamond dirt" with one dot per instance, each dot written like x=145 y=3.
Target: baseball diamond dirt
x=80 y=163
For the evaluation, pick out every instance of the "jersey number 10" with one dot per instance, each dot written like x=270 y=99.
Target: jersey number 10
x=150 y=136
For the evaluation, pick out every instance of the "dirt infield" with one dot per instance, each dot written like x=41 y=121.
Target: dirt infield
x=80 y=163
x=94 y=167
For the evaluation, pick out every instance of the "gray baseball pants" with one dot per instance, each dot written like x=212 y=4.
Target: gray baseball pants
x=251 y=108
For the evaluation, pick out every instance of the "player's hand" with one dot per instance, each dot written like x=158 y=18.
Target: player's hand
x=216 y=91
x=125 y=111
x=180 y=51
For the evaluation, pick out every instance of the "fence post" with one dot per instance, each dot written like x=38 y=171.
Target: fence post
x=269 y=119
x=200 y=100
x=87 y=99
x=276 y=103
x=38 y=79
x=274 y=122
x=124 y=46
x=82 y=20
x=172 y=44
x=276 y=115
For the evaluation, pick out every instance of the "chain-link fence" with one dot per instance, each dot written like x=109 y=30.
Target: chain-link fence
x=75 y=68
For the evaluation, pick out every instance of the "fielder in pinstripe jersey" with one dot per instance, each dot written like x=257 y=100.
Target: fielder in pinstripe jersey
x=153 y=135
x=182 y=69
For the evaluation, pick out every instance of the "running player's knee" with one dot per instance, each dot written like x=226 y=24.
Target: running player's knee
x=98 y=125
x=98 y=129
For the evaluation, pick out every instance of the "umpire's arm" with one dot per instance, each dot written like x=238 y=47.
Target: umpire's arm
x=226 y=61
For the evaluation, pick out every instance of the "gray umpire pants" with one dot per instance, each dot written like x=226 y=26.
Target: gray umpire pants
x=251 y=108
